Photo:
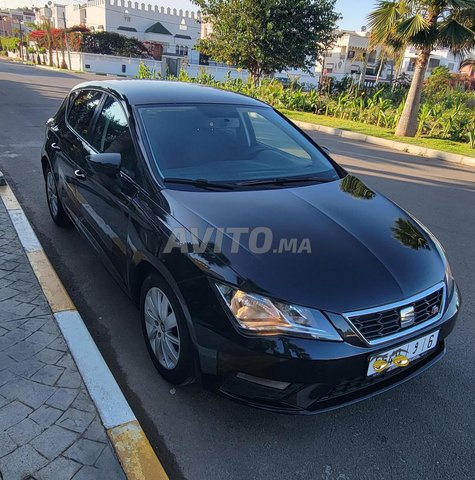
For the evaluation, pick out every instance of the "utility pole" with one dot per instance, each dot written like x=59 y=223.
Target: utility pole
x=21 y=40
x=67 y=41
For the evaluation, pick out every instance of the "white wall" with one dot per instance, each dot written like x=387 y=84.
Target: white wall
x=109 y=15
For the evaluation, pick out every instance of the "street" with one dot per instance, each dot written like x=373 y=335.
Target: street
x=422 y=429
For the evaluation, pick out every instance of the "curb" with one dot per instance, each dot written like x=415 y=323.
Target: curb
x=392 y=144
x=136 y=456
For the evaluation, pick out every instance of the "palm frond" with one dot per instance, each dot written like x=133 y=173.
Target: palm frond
x=384 y=19
x=456 y=36
x=412 y=26
x=461 y=3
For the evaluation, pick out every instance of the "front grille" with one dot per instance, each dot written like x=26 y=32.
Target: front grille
x=376 y=325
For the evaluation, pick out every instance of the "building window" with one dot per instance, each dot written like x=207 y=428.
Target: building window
x=433 y=62
x=351 y=54
x=127 y=18
x=411 y=66
x=451 y=66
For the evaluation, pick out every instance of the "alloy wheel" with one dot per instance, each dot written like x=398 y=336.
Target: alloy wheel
x=52 y=193
x=162 y=328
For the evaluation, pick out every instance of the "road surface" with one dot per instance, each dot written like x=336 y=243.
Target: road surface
x=421 y=430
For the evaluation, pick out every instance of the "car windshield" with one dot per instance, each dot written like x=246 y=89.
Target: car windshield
x=230 y=143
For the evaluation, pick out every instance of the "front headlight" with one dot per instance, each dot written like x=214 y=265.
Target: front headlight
x=262 y=316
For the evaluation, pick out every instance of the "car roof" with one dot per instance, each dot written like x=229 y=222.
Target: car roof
x=142 y=92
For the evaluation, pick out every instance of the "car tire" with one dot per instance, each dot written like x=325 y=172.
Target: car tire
x=56 y=209
x=163 y=324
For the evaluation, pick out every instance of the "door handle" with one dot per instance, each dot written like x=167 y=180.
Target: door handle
x=80 y=174
x=55 y=146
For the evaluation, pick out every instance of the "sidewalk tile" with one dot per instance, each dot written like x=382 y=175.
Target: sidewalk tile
x=49 y=356
x=48 y=375
x=12 y=414
x=45 y=415
x=85 y=451
x=75 y=420
x=54 y=441
x=63 y=398
x=59 y=469
x=24 y=431
x=107 y=462
x=21 y=463
x=31 y=393
x=7 y=445
x=96 y=431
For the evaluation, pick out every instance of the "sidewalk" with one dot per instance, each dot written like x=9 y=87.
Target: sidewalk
x=49 y=426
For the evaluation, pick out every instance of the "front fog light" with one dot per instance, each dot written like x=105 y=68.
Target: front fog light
x=263 y=316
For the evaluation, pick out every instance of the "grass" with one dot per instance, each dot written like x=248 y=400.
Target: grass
x=426 y=142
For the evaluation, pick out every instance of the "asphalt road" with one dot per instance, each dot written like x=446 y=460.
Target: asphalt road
x=423 y=429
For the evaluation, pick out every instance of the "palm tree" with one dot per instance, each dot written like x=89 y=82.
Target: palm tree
x=425 y=24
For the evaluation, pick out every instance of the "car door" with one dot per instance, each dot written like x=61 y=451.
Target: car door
x=73 y=147
x=105 y=196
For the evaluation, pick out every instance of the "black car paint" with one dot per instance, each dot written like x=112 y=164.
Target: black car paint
x=366 y=251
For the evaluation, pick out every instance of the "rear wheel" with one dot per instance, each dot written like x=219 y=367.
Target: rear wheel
x=58 y=214
x=165 y=330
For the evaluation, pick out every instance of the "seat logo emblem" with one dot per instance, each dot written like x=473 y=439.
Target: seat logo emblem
x=407 y=316
x=435 y=310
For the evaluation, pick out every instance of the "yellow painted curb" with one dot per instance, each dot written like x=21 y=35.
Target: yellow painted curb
x=9 y=199
x=135 y=453
x=54 y=291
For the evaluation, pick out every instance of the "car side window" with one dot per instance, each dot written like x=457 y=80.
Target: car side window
x=82 y=110
x=112 y=135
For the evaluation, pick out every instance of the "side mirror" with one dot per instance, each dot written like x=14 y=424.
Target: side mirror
x=105 y=162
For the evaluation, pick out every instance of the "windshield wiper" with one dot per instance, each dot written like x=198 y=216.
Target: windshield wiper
x=200 y=182
x=284 y=180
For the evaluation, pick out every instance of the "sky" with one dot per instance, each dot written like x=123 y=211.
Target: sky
x=354 y=11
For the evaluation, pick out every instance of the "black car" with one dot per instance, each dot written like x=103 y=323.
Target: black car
x=260 y=266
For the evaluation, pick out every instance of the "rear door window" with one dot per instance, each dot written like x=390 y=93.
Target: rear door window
x=82 y=111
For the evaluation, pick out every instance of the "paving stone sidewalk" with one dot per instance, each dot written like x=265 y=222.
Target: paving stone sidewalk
x=49 y=426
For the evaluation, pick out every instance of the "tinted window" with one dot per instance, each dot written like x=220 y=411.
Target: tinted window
x=229 y=143
x=82 y=111
x=112 y=135
x=269 y=134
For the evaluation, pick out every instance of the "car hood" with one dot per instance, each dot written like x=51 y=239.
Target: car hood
x=364 y=250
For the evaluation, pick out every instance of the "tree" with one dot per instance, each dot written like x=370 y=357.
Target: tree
x=265 y=36
x=425 y=24
x=110 y=43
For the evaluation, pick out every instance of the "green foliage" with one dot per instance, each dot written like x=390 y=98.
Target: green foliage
x=9 y=44
x=425 y=24
x=144 y=71
x=265 y=36
x=451 y=118
x=110 y=43
x=438 y=82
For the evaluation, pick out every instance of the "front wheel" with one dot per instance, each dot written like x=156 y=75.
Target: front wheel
x=56 y=210
x=165 y=330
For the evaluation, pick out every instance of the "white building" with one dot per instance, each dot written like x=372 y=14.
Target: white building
x=170 y=32
x=442 y=58
x=350 y=54
x=54 y=13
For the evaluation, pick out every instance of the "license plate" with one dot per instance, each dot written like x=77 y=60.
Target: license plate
x=401 y=356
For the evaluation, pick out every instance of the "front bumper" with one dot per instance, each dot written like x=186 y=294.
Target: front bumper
x=303 y=376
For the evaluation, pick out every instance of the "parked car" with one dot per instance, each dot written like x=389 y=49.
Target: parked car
x=259 y=265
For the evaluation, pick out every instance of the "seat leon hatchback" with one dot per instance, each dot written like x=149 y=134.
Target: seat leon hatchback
x=260 y=266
